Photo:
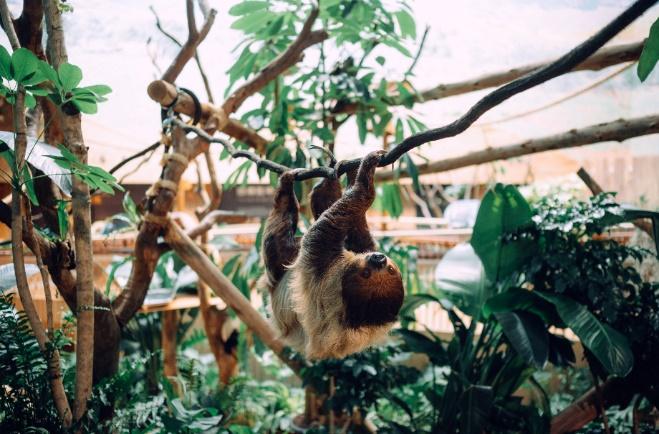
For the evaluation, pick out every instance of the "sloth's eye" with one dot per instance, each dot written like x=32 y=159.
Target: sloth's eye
x=390 y=269
x=366 y=273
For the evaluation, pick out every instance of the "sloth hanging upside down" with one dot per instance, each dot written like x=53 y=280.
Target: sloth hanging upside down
x=332 y=294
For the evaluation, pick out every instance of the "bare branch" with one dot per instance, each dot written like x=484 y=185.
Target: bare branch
x=202 y=73
x=285 y=60
x=189 y=49
x=138 y=154
x=596 y=189
x=216 y=189
x=616 y=131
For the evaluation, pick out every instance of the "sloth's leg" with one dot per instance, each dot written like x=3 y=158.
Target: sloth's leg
x=323 y=195
x=280 y=247
x=323 y=244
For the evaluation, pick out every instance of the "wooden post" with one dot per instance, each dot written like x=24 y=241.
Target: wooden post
x=169 y=326
x=192 y=255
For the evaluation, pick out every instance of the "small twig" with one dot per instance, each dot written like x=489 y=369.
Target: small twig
x=419 y=51
x=138 y=154
x=204 y=77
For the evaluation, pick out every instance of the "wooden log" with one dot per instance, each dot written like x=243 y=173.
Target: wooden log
x=618 y=131
x=585 y=409
x=169 y=326
x=166 y=94
x=601 y=59
x=192 y=255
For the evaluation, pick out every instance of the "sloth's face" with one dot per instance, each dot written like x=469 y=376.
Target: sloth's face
x=372 y=290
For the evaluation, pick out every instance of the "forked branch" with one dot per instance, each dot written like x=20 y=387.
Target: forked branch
x=189 y=48
x=306 y=38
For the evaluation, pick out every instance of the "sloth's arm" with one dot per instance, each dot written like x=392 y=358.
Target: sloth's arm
x=280 y=248
x=359 y=239
x=323 y=244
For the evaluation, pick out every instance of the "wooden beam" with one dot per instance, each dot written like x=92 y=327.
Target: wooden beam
x=617 y=131
x=208 y=272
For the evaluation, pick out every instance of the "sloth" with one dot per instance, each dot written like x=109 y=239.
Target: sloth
x=332 y=293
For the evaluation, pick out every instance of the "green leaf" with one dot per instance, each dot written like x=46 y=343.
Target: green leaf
x=406 y=24
x=527 y=334
x=85 y=105
x=414 y=301
x=503 y=211
x=247 y=7
x=475 y=405
x=461 y=278
x=70 y=76
x=253 y=21
x=5 y=63
x=419 y=343
x=650 y=54
x=48 y=72
x=23 y=65
x=62 y=219
x=607 y=344
x=522 y=299
x=400 y=131
x=361 y=126
x=29 y=186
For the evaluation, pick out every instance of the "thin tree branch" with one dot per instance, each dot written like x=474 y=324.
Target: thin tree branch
x=552 y=70
x=202 y=73
x=138 y=154
x=306 y=38
x=189 y=48
x=596 y=189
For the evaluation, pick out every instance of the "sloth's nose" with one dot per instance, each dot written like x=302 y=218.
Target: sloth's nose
x=377 y=260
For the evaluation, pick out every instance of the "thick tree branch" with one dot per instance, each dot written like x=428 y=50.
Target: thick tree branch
x=305 y=39
x=81 y=205
x=17 y=225
x=616 y=131
x=165 y=94
x=603 y=58
x=195 y=37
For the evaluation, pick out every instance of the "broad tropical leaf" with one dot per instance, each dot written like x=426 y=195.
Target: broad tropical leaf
x=527 y=334
x=503 y=211
x=609 y=346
